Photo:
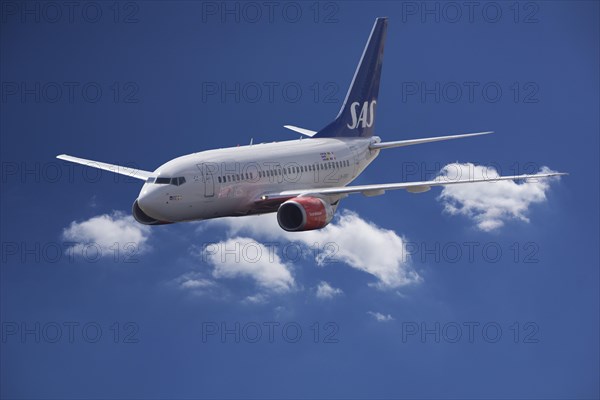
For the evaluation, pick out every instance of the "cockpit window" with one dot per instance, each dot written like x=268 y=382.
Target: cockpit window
x=150 y=179
x=166 y=181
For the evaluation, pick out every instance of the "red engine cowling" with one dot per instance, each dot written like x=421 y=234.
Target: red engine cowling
x=304 y=214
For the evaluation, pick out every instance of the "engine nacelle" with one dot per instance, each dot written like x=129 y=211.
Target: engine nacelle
x=304 y=214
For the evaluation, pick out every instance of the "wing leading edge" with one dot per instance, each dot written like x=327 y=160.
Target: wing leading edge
x=117 y=169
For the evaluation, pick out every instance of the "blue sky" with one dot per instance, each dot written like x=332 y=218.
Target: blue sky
x=136 y=87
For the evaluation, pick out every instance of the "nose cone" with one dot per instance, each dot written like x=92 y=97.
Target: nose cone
x=150 y=201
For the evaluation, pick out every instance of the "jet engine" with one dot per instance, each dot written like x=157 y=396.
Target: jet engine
x=304 y=214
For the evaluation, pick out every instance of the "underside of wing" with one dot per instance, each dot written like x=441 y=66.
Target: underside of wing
x=117 y=169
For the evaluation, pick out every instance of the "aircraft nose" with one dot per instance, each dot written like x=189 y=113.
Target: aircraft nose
x=149 y=200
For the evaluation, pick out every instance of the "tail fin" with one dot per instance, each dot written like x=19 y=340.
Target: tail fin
x=357 y=115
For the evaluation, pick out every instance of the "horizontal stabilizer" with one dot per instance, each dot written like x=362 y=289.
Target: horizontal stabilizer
x=306 y=132
x=410 y=142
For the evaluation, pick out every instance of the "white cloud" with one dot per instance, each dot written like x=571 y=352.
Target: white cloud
x=379 y=317
x=259 y=298
x=326 y=291
x=244 y=257
x=490 y=204
x=196 y=283
x=105 y=234
x=349 y=238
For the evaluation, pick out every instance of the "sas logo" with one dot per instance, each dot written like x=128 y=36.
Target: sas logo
x=327 y=156
x=366 y=117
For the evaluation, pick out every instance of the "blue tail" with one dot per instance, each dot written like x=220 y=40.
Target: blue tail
x=357 y=115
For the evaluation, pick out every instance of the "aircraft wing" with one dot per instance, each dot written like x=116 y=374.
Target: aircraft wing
x=117 y=169
x=410 y=142
x=379 y=189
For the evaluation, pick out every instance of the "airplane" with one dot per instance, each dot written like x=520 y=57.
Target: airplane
x=301 y=180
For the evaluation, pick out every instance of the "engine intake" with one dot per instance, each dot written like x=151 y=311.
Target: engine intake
x=304 y=214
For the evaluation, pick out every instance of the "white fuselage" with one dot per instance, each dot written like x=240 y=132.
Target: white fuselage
x=228 y=182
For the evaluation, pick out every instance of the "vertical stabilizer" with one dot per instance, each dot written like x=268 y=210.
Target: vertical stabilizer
x=357 y=115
